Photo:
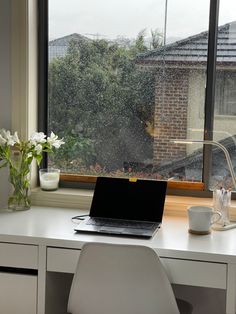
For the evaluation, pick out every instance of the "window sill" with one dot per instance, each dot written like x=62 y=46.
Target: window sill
x=81 y=198
x=65 y=198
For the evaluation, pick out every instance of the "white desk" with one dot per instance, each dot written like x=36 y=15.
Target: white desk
x=42 y=239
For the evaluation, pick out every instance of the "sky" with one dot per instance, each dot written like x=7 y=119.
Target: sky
x=110 y=19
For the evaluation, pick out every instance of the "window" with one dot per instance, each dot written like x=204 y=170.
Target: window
x=123 y=79
x=226 y=93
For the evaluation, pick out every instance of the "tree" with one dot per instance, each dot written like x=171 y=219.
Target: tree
x=156 y=41
x=101 y=102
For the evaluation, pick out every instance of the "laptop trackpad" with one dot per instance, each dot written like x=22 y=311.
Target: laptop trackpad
x=114 y=230
x=117 y=230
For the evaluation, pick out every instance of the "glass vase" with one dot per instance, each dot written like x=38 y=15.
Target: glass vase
x=19 y=177
x=20 y=197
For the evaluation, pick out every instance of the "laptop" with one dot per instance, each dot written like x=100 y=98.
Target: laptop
x=130 y=207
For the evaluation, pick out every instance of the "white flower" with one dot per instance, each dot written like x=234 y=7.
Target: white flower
x=10 y=139
x=36 y=145
x=16 y=138
x=58 y=143
x=2 y=141
x=5 y=134
x=37 y=138
x=2 y=132
x=52 y=138
x=29 y=155
x=53 y=141
x=11 y=142
x=38 y=149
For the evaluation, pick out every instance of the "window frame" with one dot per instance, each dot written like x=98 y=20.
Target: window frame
x=200 y=189
x=24 y=69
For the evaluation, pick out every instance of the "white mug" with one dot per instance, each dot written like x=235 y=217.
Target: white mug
x=201 y=218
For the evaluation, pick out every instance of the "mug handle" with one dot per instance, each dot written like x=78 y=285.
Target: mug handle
x=217 y=218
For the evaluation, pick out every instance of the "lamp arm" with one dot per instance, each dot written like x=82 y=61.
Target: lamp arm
x=210 y=142
x=216 y=131
x=228 y=159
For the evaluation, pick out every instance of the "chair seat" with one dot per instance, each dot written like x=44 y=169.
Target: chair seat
x=184 y=306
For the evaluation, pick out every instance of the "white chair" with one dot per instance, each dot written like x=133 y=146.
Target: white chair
x=121 y=279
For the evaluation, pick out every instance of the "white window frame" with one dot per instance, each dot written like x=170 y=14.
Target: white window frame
x=24 y=69
x=24 y=92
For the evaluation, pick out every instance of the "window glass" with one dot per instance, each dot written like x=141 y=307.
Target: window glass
x=126 y=78
x=225 y=102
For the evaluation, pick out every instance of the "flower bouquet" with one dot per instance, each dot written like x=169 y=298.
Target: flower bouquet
x=18 y=155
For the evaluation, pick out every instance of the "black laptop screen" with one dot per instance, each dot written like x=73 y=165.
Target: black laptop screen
x=123 y=199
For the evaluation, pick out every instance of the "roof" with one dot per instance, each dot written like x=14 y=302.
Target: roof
x=58 y=47
x=194 y=48
x=64 y=41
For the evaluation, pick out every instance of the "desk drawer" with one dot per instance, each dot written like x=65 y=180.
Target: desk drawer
x=18 y=255
x=193 y=273
x=196 y=273
x=62 y=260
x=18 y=293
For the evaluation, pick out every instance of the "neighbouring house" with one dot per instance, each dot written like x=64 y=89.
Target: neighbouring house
x=58 y=47
x=180 y=93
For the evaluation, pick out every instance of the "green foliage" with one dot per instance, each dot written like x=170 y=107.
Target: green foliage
x=96 y=92
x=75 y=146
x=156 y=39
x=140 y=42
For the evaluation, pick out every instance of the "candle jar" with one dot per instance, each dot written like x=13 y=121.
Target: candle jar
x=49 y=179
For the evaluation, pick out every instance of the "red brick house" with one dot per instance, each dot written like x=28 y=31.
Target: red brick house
x=180 y=90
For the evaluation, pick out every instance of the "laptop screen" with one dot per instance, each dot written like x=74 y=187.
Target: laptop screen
x=120 y=198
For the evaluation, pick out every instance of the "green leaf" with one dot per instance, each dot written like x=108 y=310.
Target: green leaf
x=38 y=159
x=4 y=164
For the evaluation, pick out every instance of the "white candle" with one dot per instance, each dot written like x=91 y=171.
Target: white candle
x=49 y=180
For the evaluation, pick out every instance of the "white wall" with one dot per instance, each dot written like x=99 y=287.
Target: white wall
x=5 y=86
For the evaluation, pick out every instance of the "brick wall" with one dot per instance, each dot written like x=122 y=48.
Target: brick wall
x=171 y=104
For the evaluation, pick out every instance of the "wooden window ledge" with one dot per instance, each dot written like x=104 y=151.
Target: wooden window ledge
x=81 y=199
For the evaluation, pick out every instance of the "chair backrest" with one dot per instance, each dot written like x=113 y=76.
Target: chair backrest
x=120 y=279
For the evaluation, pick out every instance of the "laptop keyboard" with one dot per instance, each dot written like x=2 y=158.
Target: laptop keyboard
x=120 y=223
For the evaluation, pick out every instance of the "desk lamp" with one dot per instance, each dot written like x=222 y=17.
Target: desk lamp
x=229 y=162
